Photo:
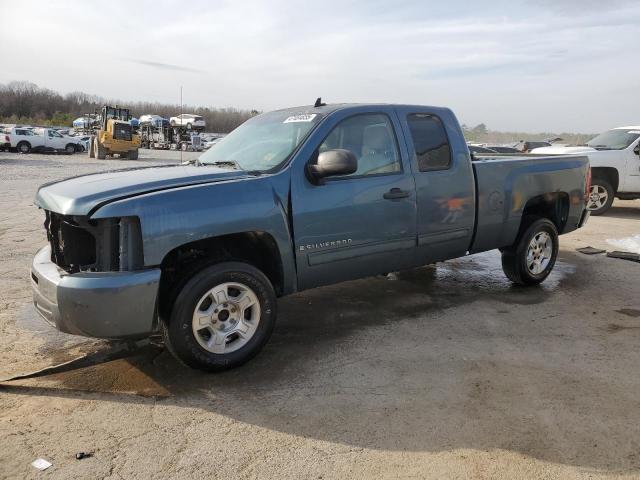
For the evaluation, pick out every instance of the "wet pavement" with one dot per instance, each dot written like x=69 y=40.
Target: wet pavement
x=446 y=371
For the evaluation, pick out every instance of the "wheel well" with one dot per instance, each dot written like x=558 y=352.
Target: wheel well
x=180 y=264
x=23 y=141
x=607 y=173
x=554 y=206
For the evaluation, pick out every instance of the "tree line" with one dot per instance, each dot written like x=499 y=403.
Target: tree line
x=26 y=103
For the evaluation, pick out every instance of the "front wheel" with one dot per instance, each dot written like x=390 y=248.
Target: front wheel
x=222 y=317
x=530 y=260
x=600 y=197
x=70 y=149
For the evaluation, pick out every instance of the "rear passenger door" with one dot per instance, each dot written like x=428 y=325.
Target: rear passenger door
x=445 y=185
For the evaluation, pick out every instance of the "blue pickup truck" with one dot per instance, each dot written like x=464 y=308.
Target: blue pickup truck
x=290 y=200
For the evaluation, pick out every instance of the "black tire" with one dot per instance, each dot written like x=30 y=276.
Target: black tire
x=101 y=152
x=189 y=126
x=92 y=148
x=514 y=258
x=24 y=147
x=184 y=147
x=173 y=123
x=599 y=184
x=133 y=154
x=70 y=149
x=179 y=336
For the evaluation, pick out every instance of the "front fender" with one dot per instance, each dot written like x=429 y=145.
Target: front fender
x=171 y=218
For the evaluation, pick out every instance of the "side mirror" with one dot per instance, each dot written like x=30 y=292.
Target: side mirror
x=334 y=162
x=636 y=149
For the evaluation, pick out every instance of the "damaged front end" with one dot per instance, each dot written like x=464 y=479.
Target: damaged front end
x=90 y=280
x=79 y=244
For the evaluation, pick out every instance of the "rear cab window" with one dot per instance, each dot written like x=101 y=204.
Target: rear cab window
x=430 y=143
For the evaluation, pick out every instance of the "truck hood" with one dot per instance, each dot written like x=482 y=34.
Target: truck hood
x=563 y=150
x=81 y=195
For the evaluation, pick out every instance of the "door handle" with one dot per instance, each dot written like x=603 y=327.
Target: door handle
x=396 y=193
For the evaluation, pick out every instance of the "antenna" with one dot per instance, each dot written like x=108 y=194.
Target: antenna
x=178 y=144
x=319 y=103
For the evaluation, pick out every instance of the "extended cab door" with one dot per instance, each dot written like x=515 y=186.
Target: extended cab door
x=632 y=154
x=445 y=184
x=53 y=140
x=360 y=224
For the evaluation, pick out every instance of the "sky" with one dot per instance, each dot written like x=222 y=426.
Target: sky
x=542 y=65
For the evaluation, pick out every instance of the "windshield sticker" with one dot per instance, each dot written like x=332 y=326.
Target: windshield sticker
x=304 y=117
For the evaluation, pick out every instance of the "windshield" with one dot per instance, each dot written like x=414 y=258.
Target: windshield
x=264 y=142
x=617 y=139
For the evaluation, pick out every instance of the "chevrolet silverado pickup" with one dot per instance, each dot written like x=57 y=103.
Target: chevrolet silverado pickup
x=614 y=157
x=290 y=200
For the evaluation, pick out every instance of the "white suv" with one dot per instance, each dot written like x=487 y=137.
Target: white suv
x=188 y=120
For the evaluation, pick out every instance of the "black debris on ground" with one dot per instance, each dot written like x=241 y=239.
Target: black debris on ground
x=590 y=250
x=634 y=257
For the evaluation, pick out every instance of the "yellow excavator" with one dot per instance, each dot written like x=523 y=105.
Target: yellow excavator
x=114 y=135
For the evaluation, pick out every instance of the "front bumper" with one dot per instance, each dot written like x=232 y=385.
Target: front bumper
x=95 y=304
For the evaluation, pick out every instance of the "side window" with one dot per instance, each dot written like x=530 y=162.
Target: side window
x=430 y=142
x=371 y=139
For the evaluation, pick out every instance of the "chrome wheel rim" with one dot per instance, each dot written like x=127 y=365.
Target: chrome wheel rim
x=539 y=253
x=226 y=318
x=598 y=197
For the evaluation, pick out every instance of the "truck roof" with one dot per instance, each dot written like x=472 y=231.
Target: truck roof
x=332 y=107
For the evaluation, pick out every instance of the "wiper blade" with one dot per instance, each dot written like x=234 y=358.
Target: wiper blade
x=227 y=163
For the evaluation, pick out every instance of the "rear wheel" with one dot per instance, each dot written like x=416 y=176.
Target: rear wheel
x=530 y=260
x=92 y=148
x=600 y=196
x=133 y=154
x=24 y=147
x=222 y=317
x=70 y=149
x=101 y=152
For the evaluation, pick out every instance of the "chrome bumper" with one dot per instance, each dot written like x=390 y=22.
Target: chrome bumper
x=95 y=304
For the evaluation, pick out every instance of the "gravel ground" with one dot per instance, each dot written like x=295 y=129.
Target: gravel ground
x=445 y=371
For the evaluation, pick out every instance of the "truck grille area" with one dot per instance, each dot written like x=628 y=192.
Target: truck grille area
x=72 y=247
x=79 y=244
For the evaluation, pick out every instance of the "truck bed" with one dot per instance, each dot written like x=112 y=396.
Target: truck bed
x=507 y=187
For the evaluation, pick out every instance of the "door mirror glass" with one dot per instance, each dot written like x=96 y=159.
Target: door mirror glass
x=334 y=162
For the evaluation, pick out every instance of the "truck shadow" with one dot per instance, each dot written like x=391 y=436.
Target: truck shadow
x=624 y=212
x=418 y=361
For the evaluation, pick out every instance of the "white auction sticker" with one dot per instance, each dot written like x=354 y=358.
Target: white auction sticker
x=303 y=117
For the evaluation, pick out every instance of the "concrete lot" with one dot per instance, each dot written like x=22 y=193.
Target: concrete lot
x=446 y=371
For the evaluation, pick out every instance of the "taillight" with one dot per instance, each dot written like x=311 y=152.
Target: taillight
x=6 y=138
x=587 y=187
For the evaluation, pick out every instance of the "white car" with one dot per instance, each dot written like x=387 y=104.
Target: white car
x=153 y=120
x=188 y=120
x=615 y=166
x=26 y=140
